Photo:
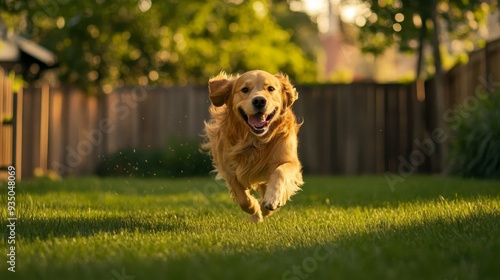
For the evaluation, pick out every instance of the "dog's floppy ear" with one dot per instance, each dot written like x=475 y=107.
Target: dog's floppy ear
x=288 y=89
x=219 y=88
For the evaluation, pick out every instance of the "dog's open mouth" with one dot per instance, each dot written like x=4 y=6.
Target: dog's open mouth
x=259 y=122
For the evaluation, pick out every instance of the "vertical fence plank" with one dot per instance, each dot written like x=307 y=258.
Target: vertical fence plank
x=31 y=131
x=342 y=137
x=380 y=129
x=56 y=151
x=365 y=129
x=403 y=125
x=92 y=136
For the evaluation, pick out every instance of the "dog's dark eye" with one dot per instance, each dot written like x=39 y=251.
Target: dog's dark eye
x=244 y=90
x=270 y=88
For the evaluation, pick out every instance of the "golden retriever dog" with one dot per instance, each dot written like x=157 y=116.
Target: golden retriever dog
x=252 y=139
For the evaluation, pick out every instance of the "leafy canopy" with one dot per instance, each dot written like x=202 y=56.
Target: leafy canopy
x=401 y=21
x=103 y=43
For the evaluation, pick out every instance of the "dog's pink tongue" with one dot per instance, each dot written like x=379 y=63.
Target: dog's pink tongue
x=257 y=120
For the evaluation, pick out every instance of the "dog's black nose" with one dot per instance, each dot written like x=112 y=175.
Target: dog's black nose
x=259 y=102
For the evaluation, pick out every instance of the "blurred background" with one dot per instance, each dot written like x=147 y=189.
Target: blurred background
x=119 y=88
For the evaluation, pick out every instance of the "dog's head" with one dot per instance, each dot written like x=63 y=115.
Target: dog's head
x=257 y=97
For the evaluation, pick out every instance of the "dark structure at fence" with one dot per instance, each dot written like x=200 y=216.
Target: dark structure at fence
x=348 y=129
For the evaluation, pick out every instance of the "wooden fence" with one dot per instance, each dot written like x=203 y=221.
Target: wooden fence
x=348 y=129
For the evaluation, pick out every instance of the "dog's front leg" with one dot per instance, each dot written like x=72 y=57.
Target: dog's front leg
x=246 y=200
x=284 y=182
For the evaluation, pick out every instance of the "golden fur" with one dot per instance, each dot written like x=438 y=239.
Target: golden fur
x=252 y=139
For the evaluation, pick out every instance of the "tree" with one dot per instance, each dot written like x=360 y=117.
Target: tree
x=103 y=44
x=299 y=25
x=406 y=22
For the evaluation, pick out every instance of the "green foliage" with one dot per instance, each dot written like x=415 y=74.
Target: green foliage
x=304 y=33
x=131 y=162
x=103 y=44
x=402 y=21
x=183 y=158
x=475 y=151
x=342 y=76
x=178 y=159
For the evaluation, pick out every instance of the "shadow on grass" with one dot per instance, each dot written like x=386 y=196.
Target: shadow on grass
x=46 y=228
x=462 y=248
x=373 y=191
x=121 y=185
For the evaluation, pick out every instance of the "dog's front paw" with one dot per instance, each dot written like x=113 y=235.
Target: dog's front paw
x=272 y=206
x=272 y=201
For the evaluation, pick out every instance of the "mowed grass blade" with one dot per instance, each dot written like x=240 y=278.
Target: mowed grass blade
x=336 y=228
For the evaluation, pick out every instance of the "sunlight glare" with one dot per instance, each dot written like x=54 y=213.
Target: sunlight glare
x=315 y=6
x=145 y=5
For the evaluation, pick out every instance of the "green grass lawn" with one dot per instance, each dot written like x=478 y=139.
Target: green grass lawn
x=336 y=228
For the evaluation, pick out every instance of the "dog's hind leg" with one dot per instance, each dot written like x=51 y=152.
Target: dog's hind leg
x=246 y=200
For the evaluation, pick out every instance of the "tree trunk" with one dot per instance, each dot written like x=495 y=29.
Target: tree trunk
x=438 y=87
x=421 y=42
